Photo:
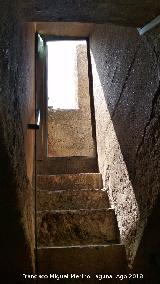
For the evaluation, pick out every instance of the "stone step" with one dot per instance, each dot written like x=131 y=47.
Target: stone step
x=70 y=181
x=72 y=199
x=77 y=227
x=67 y=165
x=92 y=260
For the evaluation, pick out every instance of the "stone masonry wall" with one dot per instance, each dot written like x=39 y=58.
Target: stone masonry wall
x=16 y=167
x=127 y=93
x=70 y=131
x=148 y=255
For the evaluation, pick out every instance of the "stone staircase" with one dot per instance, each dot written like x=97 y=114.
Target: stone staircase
x=77 y=232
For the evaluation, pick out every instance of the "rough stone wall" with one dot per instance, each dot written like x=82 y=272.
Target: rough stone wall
x=126 y=93
x=16 y=91
x=148 y=257
x=70 y=131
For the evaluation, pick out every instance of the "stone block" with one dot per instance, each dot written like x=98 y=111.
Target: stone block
x=77 y=227
x=72 y=199
x=100 y=260
x=69 y=181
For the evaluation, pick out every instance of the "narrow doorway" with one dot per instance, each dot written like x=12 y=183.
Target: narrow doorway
x=64 y=98
x=69 y=127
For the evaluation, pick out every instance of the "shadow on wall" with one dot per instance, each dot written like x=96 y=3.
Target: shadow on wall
x=16 y=241
x=126 y=90
x=147 y=260
x=16 y=202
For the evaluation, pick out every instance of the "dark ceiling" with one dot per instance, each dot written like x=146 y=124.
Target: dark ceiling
x=134 y=13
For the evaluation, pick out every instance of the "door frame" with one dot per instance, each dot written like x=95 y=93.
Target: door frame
x=42 y=94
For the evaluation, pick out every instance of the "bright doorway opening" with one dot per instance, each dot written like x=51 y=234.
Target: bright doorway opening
x=69 y=124
x=62 y=74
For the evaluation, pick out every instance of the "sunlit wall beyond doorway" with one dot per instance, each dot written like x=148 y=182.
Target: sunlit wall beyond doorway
x=69 y=114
